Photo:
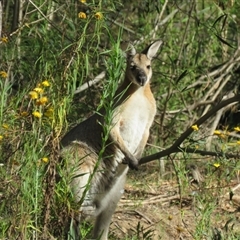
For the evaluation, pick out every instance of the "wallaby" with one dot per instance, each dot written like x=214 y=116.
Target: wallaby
x=98 y=184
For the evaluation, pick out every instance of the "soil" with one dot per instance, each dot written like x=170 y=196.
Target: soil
x=152 y=208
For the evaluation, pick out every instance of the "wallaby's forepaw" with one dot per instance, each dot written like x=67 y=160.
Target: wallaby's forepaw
x=132 y=164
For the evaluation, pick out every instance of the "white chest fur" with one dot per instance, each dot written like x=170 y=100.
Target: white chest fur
x=135 y=118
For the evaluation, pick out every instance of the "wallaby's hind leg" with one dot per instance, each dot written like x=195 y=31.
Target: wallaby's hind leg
x=109 y=204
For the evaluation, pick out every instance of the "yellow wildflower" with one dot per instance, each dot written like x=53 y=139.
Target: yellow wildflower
x=217 y=132
x=24 y=114
x=5 y=126
x=45 y=83
x=98 y=15
x=238 y=142
x=33 y=95
x=45 y=159
x=42 y=101
x=49 y=112
x=222 y=136
x=1 y=137
x=3 y=74
x=82 y=1
x=195 y=127
x=37 y=114
x=38 y=90
x=4 y=39
x=237 y=129
x=82 y=15
x=216 y=165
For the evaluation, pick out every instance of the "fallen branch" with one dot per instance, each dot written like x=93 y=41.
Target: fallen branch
x=88 y=84
x=160 y=199
x=176 y=145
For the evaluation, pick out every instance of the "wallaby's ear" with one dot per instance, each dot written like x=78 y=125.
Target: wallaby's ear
x=131 y=50
x=152 y=49
x=128 y=48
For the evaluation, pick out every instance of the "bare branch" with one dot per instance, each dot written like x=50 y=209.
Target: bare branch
x=208 y=153
x=223 y=70
x=176 y=145
x=217 y=119
x=159 y=19
x=88 y=84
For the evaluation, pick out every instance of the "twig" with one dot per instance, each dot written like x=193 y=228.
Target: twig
x=90 y=83
x=213 y=88
x=120 y=228
x=208 y=153
x=224 y=69
x=159 y=19
x=143 y=216
x=191 y=107
x=121 y=26
x=184 y=35
x=216 y=121
x=46 y=18
x=143 y=202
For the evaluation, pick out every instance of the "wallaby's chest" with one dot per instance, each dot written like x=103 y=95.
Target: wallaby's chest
x=135 y=118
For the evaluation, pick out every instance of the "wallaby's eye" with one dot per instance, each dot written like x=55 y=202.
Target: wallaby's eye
x=133 y=67
x=148 y=66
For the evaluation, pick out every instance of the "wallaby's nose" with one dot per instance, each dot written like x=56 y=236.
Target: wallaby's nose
x=142 y=79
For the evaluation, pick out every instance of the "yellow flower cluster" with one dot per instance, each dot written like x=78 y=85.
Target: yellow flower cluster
x=45 y=159
x=82 y=15
x=221 y=134
x=49 y=113
x=24 y=114
x=42 y=160
x=4 y=133
x=237 y=129
x=45 y=83
x=36 y=114
x=4 y=39
x=97 y=15
x=216 y=165
x=217 y=132
x=5 y=126
x=3 y=74
x=195 y=127
x=38 y=98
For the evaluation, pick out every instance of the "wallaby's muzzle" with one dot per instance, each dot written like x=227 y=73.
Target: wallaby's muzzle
x=141 y=79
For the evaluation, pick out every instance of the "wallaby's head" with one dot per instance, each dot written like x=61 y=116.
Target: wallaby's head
x=139 y=69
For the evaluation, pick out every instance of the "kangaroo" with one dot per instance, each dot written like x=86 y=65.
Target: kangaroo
x=98 y=184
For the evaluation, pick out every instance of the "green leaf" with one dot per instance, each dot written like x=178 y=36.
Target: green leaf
x=223 y=41
x=183 y=74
